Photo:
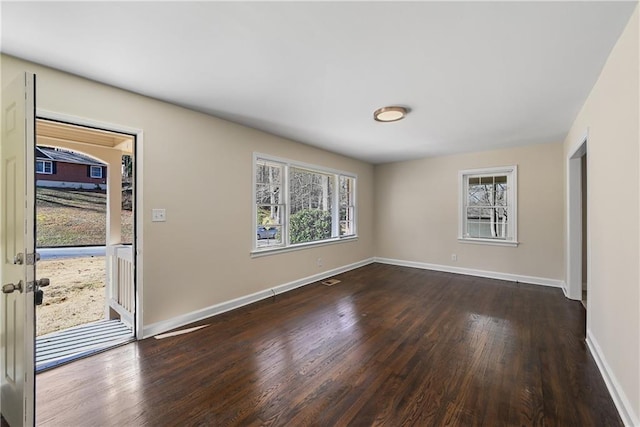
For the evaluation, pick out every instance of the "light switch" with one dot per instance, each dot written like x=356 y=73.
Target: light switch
x=158 y=215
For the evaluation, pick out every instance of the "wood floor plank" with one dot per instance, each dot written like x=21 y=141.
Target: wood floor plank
x=387 y=346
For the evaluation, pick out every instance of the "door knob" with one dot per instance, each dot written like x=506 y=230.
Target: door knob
x=9 y=288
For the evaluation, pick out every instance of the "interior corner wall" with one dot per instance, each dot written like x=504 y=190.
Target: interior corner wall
x=199 y=168
x=417 y=210
x=611 y=114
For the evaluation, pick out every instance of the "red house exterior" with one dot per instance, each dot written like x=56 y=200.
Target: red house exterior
x=56 y=167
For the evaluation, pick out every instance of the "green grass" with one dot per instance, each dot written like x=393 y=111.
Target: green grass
x=66 y=217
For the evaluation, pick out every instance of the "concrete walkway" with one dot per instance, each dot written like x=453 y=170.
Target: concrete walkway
x=84 y=251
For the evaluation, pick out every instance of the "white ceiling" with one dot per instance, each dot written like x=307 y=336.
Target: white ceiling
x=476 y=75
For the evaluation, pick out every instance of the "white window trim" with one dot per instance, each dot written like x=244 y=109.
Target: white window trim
x=512 y=194
x=44 y=162
x=286 y=246
x=91 y=171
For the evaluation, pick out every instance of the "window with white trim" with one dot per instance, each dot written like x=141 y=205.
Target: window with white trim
x=488 y=206
x=44 y=166
x=300 y=204
x=96 y=172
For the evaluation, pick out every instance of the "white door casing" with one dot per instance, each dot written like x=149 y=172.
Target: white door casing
x=17 y=197
x=574 y=219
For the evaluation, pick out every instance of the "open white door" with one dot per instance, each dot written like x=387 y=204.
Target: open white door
x=17 y=250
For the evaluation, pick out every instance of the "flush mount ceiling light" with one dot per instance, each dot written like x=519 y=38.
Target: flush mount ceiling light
x=389 y=114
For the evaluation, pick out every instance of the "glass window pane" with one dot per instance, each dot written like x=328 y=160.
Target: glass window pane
x=310 y=225
x=346 y=190
x=269 y=214
x=268 y=172
x=311 y=197
x=478 y=195
x=501 y=194
x=346 y=228
x=309 y=190
x=486 y=180
x=268 y=194
x=269 y=235
x=473 y=213
x=472 y=228
x=269 y=225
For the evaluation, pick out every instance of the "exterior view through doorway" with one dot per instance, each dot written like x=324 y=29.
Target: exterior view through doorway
x=85 y=237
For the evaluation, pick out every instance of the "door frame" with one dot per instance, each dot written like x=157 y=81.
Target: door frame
x=574 y=220
x=139 y=202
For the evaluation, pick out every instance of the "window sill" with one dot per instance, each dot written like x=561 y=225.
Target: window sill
x=490 y=242
x=256 y=253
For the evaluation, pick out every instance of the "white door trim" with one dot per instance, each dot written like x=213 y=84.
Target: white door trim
x=574 y=218
x=139 y=200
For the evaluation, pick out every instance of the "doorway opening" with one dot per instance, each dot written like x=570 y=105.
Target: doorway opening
x=85 y=237
x=577 y=224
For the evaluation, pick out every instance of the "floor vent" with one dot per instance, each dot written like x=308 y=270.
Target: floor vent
x=330 y=282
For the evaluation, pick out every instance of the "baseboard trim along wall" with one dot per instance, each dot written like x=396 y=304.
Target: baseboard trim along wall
x=194 y=316
x=479 y=273
x=629 y=418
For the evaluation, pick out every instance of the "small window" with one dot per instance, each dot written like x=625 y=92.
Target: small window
x=488 y=202
x=44 y=166
x=96 y=171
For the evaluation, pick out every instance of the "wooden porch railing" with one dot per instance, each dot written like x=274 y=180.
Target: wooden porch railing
x=120 y=284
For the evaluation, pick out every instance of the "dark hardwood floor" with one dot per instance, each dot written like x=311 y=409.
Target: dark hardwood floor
x=388 y=346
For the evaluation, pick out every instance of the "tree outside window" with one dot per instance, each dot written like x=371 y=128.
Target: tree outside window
x=488 y=205
x=298 y=204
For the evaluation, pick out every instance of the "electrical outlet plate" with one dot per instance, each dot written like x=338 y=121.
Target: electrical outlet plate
x=158 y=215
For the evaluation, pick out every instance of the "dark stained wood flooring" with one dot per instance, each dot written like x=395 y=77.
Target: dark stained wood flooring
x=389 y=346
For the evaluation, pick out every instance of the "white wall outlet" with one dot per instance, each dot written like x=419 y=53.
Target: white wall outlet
x=319 y=262
x=158 y=215
x=454 y=257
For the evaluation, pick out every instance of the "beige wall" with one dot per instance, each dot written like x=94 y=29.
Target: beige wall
x=611 y=115
x=417 y=212
x=199 y=168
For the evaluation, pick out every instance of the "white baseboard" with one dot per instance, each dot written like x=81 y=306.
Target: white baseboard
x=629 y=418
x=194 y=316
x=479 y=273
